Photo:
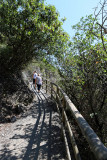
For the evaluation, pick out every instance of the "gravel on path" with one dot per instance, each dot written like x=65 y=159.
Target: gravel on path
x=36 y=135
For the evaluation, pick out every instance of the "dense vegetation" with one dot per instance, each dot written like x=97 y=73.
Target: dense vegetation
x=84 y=72
x=30 y=29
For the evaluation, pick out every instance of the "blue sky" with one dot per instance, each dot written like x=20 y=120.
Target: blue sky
x=73 y=10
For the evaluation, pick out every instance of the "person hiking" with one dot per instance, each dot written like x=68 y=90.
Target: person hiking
x=34 y=77
x=39 y=82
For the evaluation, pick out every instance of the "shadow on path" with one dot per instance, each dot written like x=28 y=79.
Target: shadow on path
x=41 y=140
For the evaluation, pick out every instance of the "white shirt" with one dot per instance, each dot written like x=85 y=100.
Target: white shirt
x=38 y=80
x=35 y=75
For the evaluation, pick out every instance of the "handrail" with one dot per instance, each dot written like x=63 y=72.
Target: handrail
x=96 y=146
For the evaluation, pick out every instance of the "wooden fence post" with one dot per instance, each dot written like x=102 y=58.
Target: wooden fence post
x=51 y=89
x=58 y=91
x=63 y=120
x=42 y=83
x=63 y=107
x=46 y=85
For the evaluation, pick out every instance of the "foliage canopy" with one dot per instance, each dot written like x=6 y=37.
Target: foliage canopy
x=28 y=29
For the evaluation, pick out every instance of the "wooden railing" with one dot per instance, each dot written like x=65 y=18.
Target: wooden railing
x=63 y=102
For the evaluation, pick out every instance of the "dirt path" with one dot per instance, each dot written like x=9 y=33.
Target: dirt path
x=35 y=136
